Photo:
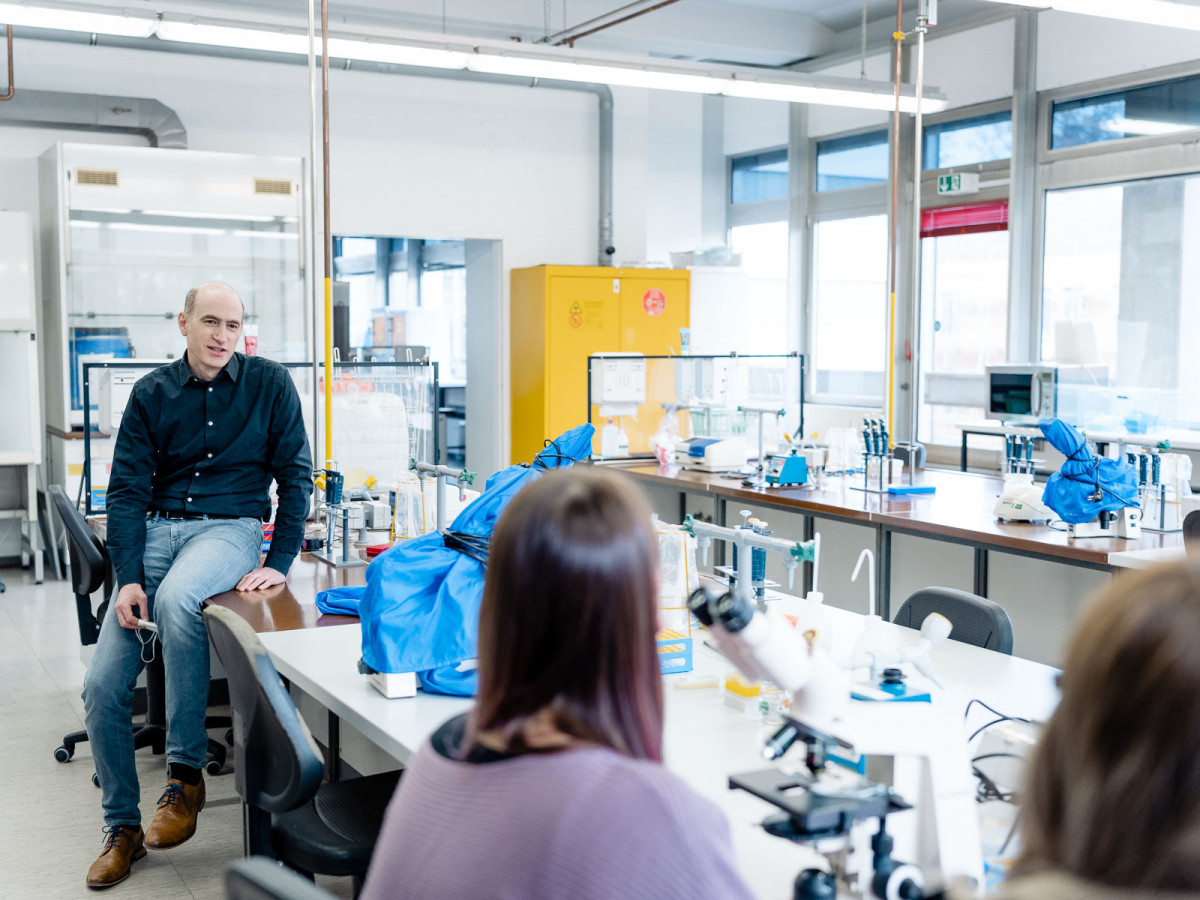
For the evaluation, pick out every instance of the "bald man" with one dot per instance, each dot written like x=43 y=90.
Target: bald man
x=200 y=442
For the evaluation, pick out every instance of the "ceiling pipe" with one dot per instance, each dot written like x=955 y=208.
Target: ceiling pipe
x=12 y=87
x=569 y=36
x=97 y=112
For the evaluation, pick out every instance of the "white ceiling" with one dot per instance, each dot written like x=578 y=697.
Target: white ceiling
x=754 y=32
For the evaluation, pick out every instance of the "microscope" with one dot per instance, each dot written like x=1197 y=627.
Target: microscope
x=827 y=801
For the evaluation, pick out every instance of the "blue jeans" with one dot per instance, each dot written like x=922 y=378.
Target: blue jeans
x=186 y=562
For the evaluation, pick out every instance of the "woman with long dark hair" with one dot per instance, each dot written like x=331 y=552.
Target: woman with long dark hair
x=553 y=786
x=1112 y=808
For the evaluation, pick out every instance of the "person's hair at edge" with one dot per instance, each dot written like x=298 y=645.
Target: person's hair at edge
x=1114 y=783
x=569 y=616
x=189 y=302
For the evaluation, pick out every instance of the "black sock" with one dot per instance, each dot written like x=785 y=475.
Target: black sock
x=184 y=773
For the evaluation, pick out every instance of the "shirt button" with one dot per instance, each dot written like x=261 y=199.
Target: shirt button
x=189 y=499
x=210 y=390
x=197 y=474
x=210 y=456
x=210 y=423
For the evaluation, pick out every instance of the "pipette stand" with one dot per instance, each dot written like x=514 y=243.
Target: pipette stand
x=343 y=559
x=793 y=553
x=878 y=465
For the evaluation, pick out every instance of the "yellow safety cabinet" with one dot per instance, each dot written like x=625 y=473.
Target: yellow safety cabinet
x=560 y=315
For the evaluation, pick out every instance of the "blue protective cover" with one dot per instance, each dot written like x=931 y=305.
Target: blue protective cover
x=420 y=606
x=340 y=601
x=1069 y=488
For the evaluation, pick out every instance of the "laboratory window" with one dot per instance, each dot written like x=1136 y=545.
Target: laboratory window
x=405 y=293
x=964 y=313
x=763 y=313
x=850 y=309
x=1166 y=107
x=965 y=142
x=758 y=176
x=856 y=160
x=1121 y=291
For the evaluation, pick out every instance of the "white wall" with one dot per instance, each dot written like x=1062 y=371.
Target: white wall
x=752 y=125
x=1074 y=48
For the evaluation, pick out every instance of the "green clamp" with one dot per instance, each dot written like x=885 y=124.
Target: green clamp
x=804 y=552
x=466 y=477
x=1163 y=445
x=689 y=525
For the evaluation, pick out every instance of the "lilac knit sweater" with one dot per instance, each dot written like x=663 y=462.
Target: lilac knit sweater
x=580 y=824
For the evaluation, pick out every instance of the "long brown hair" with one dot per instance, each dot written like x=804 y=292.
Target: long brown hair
x=1114 y=785
x=568 y=618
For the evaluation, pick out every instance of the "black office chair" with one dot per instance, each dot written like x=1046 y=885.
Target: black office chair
x=1191 y=533
x=259 y=878
x=977 y=620
x=90 y=570
x=327 y=829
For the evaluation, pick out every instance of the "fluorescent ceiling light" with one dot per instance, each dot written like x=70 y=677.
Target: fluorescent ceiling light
x=231 y=36
x=396 y=54
x=237 y=217
x=1144 y=126
x=165 y=229
x=272 y=235
x=495 y=57
x=78 y=19
x=1149 y=12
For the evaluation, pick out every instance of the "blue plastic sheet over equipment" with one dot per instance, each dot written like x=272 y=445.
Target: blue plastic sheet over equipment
x=1086 y=484
x=420 y=607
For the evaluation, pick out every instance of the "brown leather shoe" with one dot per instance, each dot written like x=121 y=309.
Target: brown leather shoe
x=175 y=819
x=122 y=845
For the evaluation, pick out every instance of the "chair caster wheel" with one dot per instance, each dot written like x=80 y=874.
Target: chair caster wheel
x=229 y=737
x=213 y=767
x=64 y=754
x=96 y=779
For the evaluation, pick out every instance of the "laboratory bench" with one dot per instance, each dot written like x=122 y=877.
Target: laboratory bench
x=948 y=538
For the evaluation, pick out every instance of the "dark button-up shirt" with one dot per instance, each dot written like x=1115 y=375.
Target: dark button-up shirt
x=209 y=447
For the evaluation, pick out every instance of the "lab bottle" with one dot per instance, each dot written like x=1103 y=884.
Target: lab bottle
x=610 y=440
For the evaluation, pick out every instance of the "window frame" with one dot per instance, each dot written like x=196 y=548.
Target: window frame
x=1107 y=162
x=961 y=114
x=814 y=144
x=754 y=212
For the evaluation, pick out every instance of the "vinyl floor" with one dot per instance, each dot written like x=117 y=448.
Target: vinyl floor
x=50 y=810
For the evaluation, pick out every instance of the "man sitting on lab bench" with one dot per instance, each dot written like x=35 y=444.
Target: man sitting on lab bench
x=199 y=443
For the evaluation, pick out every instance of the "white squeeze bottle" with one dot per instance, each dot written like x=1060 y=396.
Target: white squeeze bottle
x=609 y=439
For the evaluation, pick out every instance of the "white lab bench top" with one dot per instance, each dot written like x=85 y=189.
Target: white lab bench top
x=705 y=740
x=1145 y=559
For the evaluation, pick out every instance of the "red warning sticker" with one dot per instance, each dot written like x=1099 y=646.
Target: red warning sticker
x=576 y=316
x=654 y=302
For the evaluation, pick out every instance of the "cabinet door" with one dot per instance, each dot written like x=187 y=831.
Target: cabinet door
x=582 y=317
x=653 y=309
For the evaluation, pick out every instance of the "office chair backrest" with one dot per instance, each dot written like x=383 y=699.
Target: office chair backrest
x=278 y=765
x=1191 y=533
x=89 y=563
x=977 y=620
x=259 y=878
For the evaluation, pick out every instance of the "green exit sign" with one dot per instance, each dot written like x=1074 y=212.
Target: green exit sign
x=958 y=183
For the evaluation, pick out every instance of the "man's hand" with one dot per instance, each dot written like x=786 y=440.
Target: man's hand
x=262 y=577
x=132 y=604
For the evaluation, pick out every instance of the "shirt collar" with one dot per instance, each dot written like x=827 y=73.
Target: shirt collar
x=183 y=372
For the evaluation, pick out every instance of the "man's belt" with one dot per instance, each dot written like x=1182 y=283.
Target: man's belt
x=185 y=514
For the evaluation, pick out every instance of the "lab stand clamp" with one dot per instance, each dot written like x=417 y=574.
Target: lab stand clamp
x=336 y=510
x=745 y=541
x=461 y=477
x=759 y=478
